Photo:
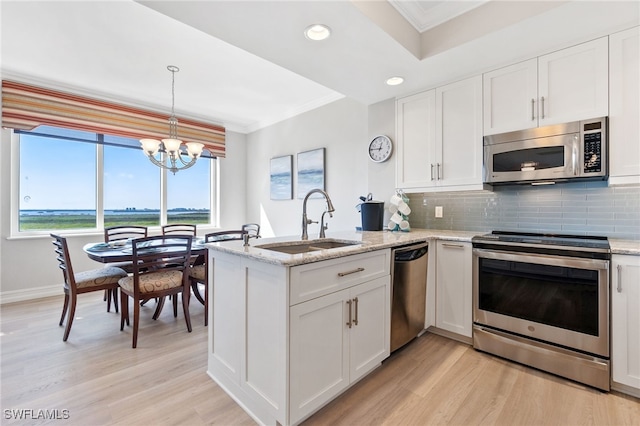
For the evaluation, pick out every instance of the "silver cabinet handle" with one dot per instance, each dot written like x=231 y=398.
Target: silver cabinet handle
x=355 y=302
x=342 y=274
x=619 y=279
x=438 y=167
x=431 y=171
x=452 y=245
x=542 y=104
x=349 y=322
x=533 y=109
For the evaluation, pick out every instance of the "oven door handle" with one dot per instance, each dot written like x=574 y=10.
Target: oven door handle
x=543 y=259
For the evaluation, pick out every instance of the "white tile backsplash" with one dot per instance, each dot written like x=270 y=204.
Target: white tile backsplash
x=576 y=208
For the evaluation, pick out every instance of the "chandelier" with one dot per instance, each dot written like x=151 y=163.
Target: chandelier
x=172 y=146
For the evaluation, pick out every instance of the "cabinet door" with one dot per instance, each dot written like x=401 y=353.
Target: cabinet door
x=415 y=121
x=453 y=287
x=459 y=133
x=510 y=98
x=624 y=116
x=319 y=363
x=573 y=83
x=369 y=333
x=226 y=307
x=625 y=318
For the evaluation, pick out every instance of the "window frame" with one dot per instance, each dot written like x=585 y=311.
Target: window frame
x=15 y=233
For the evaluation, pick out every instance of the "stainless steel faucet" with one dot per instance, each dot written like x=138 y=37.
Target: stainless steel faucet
x=323 y=225
x=306 y=221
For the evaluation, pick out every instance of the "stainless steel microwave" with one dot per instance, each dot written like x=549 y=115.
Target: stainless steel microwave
x=550 y=154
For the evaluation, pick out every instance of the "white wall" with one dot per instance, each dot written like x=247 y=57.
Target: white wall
x=382 y=176
x=341 y=128
x=232 y=197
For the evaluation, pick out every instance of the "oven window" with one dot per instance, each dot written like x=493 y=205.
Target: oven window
x=529 y=159
x=553 y=295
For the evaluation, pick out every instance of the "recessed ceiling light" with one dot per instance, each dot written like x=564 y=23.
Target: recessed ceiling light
x=394 y=81
x=317 y=32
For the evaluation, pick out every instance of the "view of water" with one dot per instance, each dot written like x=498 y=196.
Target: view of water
x=106 y=212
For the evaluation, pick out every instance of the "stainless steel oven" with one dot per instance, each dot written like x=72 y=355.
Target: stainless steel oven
x=544 y=301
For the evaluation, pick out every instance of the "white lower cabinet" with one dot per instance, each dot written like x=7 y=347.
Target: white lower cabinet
x=625 y=323
x=335 y=340
x=454 y=287
x=284 y=341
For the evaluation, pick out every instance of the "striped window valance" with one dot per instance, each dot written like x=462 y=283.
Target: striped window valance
x=25 y=107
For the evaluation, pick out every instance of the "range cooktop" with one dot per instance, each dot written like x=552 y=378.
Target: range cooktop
x=550 y=241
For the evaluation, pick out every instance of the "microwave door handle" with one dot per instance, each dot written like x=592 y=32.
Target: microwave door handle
x=574 y=155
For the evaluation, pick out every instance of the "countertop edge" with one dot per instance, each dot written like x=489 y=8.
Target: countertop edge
x=620 y=246
x=367 y=241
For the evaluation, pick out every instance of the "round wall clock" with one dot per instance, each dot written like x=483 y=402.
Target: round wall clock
x=380 y=148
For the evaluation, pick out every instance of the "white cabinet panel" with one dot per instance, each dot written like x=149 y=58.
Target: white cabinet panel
x=563 y=86
x=454 y=287
x=624 y=116
x=440 y=138
x=574 y=83
x=335 y=340
x=459 y=133
x=416 y=140
x=625 y=318
x=320 y=278
x=510 y=98
x=369 y=343
x=319 y=366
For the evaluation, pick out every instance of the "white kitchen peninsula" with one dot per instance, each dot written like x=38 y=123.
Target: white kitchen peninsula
x=290 y=332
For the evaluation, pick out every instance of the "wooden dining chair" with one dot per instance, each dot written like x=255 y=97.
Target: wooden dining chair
x=120 y=233
x=160 y=269
x=199 y=272
x=105 y=278
x=124 y=232
x=179 y=229
x=253 y=229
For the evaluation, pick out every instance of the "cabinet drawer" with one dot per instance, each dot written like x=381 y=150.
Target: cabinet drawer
x=317 y=279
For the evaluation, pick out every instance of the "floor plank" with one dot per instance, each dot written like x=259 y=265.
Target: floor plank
x=100 y=380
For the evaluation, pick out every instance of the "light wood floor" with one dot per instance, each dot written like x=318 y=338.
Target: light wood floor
x=100 y=380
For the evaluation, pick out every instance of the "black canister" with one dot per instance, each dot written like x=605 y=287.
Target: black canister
x=372 y=215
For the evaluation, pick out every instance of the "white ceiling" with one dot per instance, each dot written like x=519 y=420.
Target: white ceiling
x=424 y=15
x=246 y=64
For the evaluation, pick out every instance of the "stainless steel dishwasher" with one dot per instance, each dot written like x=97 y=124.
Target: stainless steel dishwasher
x=408 y=293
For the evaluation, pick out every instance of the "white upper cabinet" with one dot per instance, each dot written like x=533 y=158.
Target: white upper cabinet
x=624 y=115
x=567 y=85
x=440 y=138
x=459 y=134
x=416 y=133
x=510 y=95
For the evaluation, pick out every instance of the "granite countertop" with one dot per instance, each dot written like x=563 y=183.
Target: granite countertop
x=365 y=241
x=619 y=246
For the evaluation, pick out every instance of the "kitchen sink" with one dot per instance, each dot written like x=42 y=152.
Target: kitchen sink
x=297 y=247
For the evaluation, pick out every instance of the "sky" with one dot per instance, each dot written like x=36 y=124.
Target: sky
x=60 y=175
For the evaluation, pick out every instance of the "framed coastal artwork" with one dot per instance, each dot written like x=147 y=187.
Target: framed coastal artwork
x=310 y=171
x=281 y=178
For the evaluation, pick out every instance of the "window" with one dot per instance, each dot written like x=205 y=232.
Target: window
x=79 y=180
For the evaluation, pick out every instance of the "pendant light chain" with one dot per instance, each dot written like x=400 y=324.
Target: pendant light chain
x=173 y=121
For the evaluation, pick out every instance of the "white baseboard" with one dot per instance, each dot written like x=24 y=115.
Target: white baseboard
x=30 y=294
